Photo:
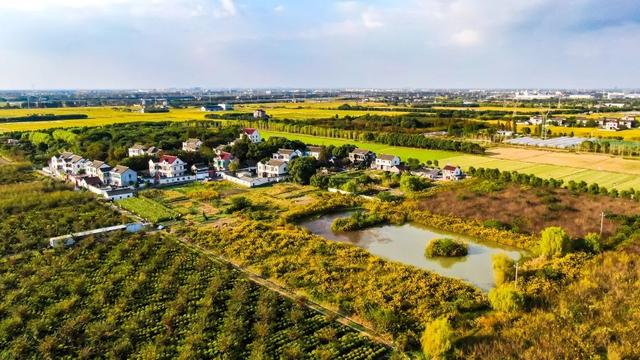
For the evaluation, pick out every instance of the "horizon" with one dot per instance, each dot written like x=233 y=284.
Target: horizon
x=411 y=44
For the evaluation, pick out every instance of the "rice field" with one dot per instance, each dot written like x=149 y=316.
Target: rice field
x=617 y=173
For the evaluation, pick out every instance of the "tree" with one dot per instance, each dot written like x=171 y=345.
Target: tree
x=437 y=338
x=410 y=183
x=302 y=168
x=506 y=298
x=592 y=243
x=233 y=166
x=503 y=268
x=554 y=242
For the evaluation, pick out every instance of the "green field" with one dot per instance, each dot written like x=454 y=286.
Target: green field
x=609 y=179
x=148 y=209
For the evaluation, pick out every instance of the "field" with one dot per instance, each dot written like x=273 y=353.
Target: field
x=148 y=209
x=146 y=297
x=613 y=173
x=99 y=116
x=518 y=110
x=631 y=134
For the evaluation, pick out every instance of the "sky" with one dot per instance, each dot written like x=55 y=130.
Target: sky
x=131 y=44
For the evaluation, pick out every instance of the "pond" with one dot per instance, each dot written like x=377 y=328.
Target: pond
x=406 y=244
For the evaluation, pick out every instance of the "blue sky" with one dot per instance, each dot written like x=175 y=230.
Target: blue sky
x=326 y=43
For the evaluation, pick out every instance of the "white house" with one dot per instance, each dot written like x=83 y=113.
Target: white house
x=118 y=194
x=226 y=106
x=314 y=151
x=360 y=155
x=386 y=162
x=431 y=174
x=167 y=166
x=192 y=145
x=252 y=134
x=286 y=155
x=100 y=170
x=201 y=171
x=141 y=150
x=452 y=172
x=259 y=114
x=123 y=176
x=68 y=163
x=272 y=168
x=535 y=120
x=210 y=108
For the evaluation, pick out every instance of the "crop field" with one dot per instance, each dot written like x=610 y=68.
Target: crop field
x=146 y=297
x=520 y=110
x=311 y=104
x=617 y=174
x=630 y=134
x=148 y=209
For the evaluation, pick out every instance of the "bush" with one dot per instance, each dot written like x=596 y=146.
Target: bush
x=437 y=338
x=506 y=298
x=410 y=183
x=592 y=243
x=446 y=247
x=554 y=242
x=238 y=203
x=357 y=221
x=503 y=268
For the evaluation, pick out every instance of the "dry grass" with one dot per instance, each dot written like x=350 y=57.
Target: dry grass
x=530 y=209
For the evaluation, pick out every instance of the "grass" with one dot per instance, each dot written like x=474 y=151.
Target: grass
x=610 y=179
x=148 y=209
x=631 y=134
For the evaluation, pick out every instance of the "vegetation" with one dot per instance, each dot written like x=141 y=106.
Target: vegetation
x=503 y=269
x=358 y=220
x=145 y=296
x=446 y=248
x=506 y=298
x=437 y=339
x=148 y=209
x=554 y=242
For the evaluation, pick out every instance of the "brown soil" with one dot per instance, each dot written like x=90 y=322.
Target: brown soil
x=531 y=210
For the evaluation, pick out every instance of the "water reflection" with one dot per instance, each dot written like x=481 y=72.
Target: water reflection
x=406 y=244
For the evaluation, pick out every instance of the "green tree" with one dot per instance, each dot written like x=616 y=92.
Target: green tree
x=554 y=242
x=437 y=338
x=301 y=169
x=503 y=268
x=506 y=298
x=592 y=243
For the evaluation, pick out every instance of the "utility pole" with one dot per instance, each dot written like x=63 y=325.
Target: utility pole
x=601 y=223
x=516 y=276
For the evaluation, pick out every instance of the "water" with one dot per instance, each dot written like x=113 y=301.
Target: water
x=406 y=244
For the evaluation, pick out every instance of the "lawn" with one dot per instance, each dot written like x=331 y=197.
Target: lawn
x=148 y=209
x=611 y=179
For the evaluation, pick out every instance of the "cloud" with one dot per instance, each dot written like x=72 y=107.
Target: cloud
x=279 y=8
x=371 y=20
x=466 y=38
x=227 y=9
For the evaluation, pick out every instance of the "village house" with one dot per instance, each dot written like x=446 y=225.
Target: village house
x=192 y=145
x=272 y=168
x=398 y=169
x=385 y=162
x=211 y=107
x=259 y=114
x=123 y=176
x=535 y=120
x=68 y=163
x=361 y=155
x=314 y=151
x=450 y=172
x=222 y=161
x=201 y=171
x=252 y=134
x=558 y=121
x=226 y=106
x=91 y=181
x=141 y=150
x=431 y=174
x=167 y=166
x=100 y=170
x=286 y=155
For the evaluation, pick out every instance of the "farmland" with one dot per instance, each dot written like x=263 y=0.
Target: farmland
x=614 y=174
x=145 y=296
x=148 y=209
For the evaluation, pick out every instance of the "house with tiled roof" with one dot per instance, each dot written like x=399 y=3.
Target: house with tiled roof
x=252 y=134
x=450 y=172
x=386 y=162
x=167 y=166
x=123 y=176
x=272 y=168
x=286 y=155
x=191 y=145
x=361 y=155
x=222 y=161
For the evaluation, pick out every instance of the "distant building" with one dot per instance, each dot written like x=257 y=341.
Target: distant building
x=252 y=134
x=100 y=170
x=452 y=173
x=272 y=168
x=201 y=171
x=222 y=161
x=141 y=150
x=192 y=145
x=287 y=155
x=259 y=114
x=361 y=155
x=122 y=176
x=226 y=106
x=167 y=166
x=386 y=162
x=211 y=108
x=535 y=120
x=314 y=151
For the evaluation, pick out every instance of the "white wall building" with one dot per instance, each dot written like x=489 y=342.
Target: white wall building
x=123 y=176
x=386 y=162
x=272 y=168
x=167 y=166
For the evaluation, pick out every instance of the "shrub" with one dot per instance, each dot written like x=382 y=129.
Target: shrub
x=437 y=338
x=592 y=243
x=446 y=247
x=357 y=221
x=506 y=298
x=410 y=183
x=238 y=203
x=503 y=268
x=554 y=242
